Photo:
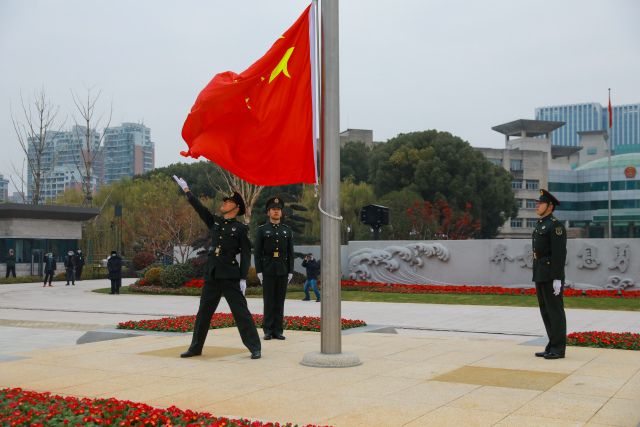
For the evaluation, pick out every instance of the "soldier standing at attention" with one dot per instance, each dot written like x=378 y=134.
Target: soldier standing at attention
x=222 y=273
x=273 y=258
x=549 y=256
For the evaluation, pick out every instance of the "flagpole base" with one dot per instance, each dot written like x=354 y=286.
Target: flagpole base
x=317 y=359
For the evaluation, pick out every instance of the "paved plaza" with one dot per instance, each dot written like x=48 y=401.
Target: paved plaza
x=448 y=365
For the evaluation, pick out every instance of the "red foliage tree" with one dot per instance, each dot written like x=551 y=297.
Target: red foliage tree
x=440 y=222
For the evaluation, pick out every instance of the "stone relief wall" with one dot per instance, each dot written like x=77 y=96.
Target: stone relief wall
x=591 y=263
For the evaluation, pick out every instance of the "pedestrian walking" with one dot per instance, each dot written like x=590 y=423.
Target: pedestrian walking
x=223 y=275
x=79 y=264
x=50 y=268
x=70 y=268
x=11 y=264
x=114 y=266
x=273 y=259
x=313 y=268
x=549 y=242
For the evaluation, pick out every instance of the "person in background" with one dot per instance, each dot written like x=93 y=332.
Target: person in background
x=50 y=268
x=11 y=263
x=114 y=265
x=70 y=268
x=79 y=264
x=312 y=267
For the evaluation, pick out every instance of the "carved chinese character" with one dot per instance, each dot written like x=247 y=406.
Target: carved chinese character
x=589 y=255
x=499 y=255
x=621 y=260
x=527 y=257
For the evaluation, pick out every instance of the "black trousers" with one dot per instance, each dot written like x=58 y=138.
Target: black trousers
x=553 y=316
x=48 y=274
x=11 y=269
x=70 y=275
x=212 y=292
x=115 y=286
x=78 y=272
x=274 y=291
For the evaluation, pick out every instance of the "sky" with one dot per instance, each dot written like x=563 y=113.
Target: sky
x=407 y=65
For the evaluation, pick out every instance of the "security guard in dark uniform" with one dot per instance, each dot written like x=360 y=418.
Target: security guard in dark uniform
x=549 y=257
x=273 y=258
x=222 y=274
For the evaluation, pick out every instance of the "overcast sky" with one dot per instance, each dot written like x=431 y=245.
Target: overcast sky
x=405 y=65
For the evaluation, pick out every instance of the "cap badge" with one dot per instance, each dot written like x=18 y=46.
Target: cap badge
x=232 y=194
x=233 y=229
x=541 y=193
x=276 y=200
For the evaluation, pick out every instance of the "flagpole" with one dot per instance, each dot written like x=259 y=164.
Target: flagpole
x=331 y=354
x=610 y=149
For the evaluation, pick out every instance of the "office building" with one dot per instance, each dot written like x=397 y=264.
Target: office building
x=129 y=151
x=4 y=189
x=592 y=116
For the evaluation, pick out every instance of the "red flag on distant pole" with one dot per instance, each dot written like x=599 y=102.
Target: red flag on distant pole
x=610 y=112
x=260 y=124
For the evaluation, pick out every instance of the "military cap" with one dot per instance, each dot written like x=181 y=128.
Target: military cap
x=275 y=202
x=546 y=197
x=236 y=198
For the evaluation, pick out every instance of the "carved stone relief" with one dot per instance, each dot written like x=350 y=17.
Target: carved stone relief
x=500 y=255
x=589 y=255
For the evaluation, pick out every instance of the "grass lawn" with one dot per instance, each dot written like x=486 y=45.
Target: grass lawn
x=495 y=300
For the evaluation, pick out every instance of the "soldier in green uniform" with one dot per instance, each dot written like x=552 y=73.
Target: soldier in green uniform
x=549 y=257
x=222 y=274
x=273 y=258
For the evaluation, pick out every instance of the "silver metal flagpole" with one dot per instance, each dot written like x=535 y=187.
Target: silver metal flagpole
x=610 y=149
x=331 y=333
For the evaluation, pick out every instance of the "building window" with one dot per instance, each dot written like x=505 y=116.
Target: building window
x=519 y=203
x=516 y=165
x=531 y=204
x=497 y=162
x=516 y=222
x=516 y=184
x=531 y=223
x=533 y=184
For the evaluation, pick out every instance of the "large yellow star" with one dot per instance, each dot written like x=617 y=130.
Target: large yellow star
x=282 y=65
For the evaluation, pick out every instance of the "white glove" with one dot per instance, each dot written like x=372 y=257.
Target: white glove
x=181 y=182
x=289 y=277
x=260 y=277
x=557 y=285
x=243 y=285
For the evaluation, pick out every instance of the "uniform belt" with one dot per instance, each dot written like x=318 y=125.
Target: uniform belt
x=219 y=251
x=278 y=255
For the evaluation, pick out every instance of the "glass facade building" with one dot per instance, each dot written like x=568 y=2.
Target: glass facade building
x=129 y=151
x=625 y=131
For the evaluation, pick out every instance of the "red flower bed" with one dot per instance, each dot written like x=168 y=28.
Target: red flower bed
x=476 y=290
x=624 y=341
x=226 y=320
x=20 y=407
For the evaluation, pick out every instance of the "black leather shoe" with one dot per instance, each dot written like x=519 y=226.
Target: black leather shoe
x=67 y=284
x=111 y=293
x=267 y=336
x=189 y=353
x=553 y=356
x=256 y=354
x=318 y=300
x=542 y=353
x=306 y=299
x=279 y=337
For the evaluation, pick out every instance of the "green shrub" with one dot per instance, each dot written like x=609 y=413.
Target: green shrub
x=143 y=272
x=298 y=278
x=176 y=275
x=252 y=278
x=20 y=279
x=153 y=276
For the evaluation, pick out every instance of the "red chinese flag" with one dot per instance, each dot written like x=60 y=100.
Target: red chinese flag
x=610 y=112
x=259 y=125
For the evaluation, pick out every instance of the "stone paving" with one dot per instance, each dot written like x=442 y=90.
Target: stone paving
x=449 y=365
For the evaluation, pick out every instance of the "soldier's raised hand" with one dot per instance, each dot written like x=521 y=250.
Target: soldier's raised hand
x=182 y=183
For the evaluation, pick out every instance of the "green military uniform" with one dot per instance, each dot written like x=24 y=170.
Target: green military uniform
x=273 y=257
x=222 y=275
x=549 y=242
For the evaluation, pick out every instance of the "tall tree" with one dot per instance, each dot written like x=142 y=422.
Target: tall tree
x=88 y=145
x=36 y=132
x=444 y=167
x=354 y=161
